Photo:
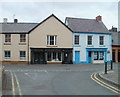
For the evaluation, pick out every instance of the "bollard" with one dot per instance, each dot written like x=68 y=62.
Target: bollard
x=105 y=67
x=111 y=65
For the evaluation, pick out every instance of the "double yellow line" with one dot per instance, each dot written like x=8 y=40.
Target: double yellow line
x=14 y=76
x=93 y=77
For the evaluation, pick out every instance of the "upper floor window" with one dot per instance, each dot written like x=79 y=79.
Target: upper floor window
x=7 y=54
x=7 y=38
x=101 y=40
x=22 y=37
x=76 y=39
x=22 y=55
x=51 y=40
x=89 y=40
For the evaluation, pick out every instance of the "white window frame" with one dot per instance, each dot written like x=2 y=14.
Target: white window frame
x=7 y=39
x=8 y=56
x=89 y=40
x=101 y=40
x=77 y=41
x=49 y=41
x=56 y=56
x=21 y=38
x=23 y=57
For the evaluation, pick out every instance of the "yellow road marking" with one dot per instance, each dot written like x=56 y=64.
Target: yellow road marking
x=103 y=84
x=18 y=84
x=106 y=83
x=13 y=85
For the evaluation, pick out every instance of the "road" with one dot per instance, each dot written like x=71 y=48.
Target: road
x=74 y=79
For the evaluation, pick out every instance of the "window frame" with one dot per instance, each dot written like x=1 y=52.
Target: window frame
x=101 y=41
x=7 y=38
x=23 y=57
x=76 y=41
x=22 y=39
x=89 y=41
x=8 y=56
x=49 y=41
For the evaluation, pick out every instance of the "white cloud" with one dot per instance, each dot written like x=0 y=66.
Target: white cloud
x=37 y=11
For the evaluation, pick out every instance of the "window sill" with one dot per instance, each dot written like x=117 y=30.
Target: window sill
x=22 y=43
x=7 y=43
x=102 y=46
x=5 y=59
x=77 y=45
x=52 y=46
x=90 y=46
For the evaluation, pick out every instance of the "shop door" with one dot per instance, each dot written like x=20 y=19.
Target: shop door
x=89 y=57
x=38 y=58
x=113 y=55
x=119 y=55
x=77 y=57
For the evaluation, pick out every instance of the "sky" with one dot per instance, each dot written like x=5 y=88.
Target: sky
x=37 y=11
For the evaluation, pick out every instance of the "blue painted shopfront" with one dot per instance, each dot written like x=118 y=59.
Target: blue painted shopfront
x=89 y=56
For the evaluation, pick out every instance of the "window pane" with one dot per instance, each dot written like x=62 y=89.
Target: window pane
x=7 y=37
x=76 y=39
x=7 y=54
x=101 y=39
x=89 y=40
x=101 y=55
x=49 y=56
x=96 y=55
x=22 y=37
x=51 y=40
x=59 y=56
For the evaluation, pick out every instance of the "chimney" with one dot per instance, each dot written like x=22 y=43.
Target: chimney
x=15 y=20
x=5 y=20
x=99 y=18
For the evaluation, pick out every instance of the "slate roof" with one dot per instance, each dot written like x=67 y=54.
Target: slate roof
x=16 y=27
x=86 y=25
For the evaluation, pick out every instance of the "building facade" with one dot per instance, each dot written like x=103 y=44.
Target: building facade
x=115 y=44
x=91 y=40
x=53 y=42
x=36 y=43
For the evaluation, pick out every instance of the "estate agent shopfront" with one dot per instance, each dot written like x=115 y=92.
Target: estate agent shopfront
x=51 y=55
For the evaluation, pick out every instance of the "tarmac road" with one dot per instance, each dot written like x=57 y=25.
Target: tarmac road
x=74 y=79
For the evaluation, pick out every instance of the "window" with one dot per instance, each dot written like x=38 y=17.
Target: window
x=89 y=40
x=76 y=39
x=22 y=37
x=98 y=55
x=22 y=55
x=101 y=40
x=51 y=40
x=54 y=56
x=7 y=54
x=7 y=38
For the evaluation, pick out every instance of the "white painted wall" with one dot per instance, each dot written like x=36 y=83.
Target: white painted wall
x=83 y=45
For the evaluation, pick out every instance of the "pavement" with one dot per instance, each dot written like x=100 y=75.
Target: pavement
x=112 y=75
x=0 y=80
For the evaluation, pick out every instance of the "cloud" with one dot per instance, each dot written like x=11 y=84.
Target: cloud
x=37 y=11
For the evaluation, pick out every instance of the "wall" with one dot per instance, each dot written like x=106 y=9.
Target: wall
x=38 y=37
x=14 y=47
x=83 y=45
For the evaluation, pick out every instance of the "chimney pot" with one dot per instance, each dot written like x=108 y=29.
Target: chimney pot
x=5 y=20
x=99 y=18
x=15 y=20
